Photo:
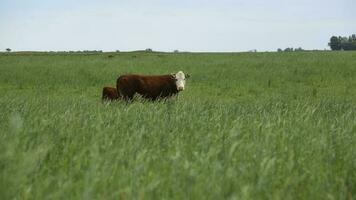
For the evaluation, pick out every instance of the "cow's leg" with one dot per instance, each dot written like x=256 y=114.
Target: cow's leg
x=153 y=98
x=128 y=97
x=127 y=94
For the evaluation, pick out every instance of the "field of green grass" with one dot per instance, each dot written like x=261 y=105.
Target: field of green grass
x=248 y=126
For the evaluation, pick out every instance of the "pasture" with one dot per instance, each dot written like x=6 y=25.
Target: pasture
x=247 y=126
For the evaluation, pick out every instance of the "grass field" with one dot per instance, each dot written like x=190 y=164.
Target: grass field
x=248 y=126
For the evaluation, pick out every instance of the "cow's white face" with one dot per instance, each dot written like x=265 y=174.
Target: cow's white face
x=180 y=80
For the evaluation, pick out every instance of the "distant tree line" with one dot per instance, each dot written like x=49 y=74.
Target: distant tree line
x=84 y=51
x=290 y=49
x=338 y=43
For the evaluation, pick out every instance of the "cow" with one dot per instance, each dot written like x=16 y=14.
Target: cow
x=110 y=93
x=151 y=87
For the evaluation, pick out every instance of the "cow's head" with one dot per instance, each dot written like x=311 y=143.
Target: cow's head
x=180 y=79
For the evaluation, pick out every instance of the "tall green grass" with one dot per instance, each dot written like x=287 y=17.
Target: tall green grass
x=248 y=126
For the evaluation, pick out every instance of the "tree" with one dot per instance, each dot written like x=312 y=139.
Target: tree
x=347 y=46
x=299 y=49
x=279 y=50
x=353 y=37
x=8 y=50
x=343 y=43
x=288 y=49
x=335 y=43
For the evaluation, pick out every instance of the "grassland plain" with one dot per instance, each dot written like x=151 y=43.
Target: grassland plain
x=248 y=126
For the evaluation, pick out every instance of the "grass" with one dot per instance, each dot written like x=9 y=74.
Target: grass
x=248 y=126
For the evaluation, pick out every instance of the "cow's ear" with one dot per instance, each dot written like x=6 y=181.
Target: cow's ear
x=187 y=76
x=173 y=75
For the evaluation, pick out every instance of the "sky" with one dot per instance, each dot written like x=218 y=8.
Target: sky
x=168 y=25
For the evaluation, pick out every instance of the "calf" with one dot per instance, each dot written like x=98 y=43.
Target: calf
x=110 y=93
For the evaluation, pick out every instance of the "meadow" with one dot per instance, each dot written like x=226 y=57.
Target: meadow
x=247 y=126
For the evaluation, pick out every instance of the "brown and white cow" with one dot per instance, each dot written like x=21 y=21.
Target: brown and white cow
x=110 y=93
x=151 y=87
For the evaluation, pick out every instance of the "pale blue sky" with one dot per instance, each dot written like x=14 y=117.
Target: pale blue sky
x=166 y=25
